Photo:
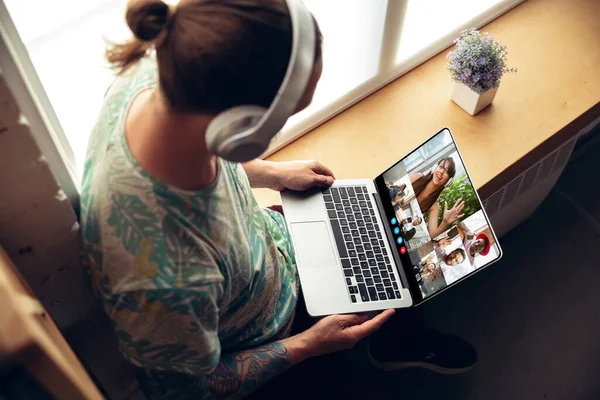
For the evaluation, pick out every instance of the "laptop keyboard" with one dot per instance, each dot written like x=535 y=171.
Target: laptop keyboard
x=366 y=263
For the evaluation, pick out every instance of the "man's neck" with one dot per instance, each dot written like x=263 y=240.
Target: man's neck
x=170 y=146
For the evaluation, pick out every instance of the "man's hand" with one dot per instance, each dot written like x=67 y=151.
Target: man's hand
x=468 y=232
x=294 y=175
x=301 y=175
x=338 y=332
x=443 y=242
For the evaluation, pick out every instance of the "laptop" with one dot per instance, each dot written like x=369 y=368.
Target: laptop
x=396 y=241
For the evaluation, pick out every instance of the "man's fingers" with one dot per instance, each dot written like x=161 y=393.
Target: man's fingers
x=318 y=180
x=460 y=216
x=322 y=180
x=319 y=168
x=370 y=326
x=354 y=319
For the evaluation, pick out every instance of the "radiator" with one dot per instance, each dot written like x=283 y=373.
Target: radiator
x=518 y=199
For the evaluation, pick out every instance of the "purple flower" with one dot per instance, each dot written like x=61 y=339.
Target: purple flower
x=478 y=61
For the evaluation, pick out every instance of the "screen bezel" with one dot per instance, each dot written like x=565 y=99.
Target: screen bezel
x=404 y=258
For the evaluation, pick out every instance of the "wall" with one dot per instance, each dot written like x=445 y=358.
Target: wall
x=39 y=230
x=38 y=227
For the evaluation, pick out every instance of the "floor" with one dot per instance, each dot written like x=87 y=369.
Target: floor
x=534 y=316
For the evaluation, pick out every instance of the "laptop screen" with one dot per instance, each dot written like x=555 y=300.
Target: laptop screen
x=438 y=223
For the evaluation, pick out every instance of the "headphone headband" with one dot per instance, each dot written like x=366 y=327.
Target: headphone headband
x=244 y=132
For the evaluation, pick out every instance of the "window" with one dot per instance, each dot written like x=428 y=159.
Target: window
x=427 y=152
x=367 y=43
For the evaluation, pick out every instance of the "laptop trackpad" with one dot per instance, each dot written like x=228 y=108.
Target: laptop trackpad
x=313 y=245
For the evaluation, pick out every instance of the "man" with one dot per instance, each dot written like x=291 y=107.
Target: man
x=474 y=246
x=408 y=227
x=426 y=270
x=454 y=267
x=409 y=223
x=395 y=190
x=396 y=193
x=455 y=257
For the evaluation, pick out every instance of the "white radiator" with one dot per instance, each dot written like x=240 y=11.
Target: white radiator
x=519 y=198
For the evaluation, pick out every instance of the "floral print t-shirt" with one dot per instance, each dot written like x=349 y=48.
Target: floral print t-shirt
x=184 y=275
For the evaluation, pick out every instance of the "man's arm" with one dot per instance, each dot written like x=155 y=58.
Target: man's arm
x=443 y=242
x=204 y=371
x=469 y=233
x=240 y=373
x=294 y=175
x=261 y=173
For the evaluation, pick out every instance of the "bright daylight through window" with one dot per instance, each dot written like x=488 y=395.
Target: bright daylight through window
x=366 y=44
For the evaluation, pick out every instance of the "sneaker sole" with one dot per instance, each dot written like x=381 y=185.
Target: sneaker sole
x=394 y=366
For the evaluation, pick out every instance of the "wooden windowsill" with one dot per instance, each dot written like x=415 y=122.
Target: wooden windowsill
x=555 y=44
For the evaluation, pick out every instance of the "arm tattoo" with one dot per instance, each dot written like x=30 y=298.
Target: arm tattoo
x=239 y=374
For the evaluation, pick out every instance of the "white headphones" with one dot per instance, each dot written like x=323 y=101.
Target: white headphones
x=243 y=133
x=433 y=171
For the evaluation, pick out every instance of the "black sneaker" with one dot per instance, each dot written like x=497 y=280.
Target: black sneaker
x=438 y=352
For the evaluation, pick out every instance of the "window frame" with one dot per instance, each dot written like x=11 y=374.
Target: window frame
x=24 y=82
x=292 y=132
x=36 y=110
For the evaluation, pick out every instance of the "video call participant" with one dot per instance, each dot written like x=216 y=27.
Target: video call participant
x=426 y=270
x=409 y=227
x=454 y=267
x=455 y=257
x=409 y=223
x=397 y=194
x=474 y=246
x=428 y=188
x=395 y=190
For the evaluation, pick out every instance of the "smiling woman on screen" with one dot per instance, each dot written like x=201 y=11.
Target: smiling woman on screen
x=428 y=188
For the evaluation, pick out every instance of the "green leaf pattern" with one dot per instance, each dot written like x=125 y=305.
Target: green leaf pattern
x=183 y=275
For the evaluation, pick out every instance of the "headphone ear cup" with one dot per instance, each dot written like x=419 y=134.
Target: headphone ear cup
x=244 y=132
x=231 y=131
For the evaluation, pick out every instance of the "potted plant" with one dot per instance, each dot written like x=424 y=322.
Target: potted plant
x=476 y=65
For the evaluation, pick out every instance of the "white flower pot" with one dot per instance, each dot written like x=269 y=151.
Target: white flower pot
x=471 y=101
